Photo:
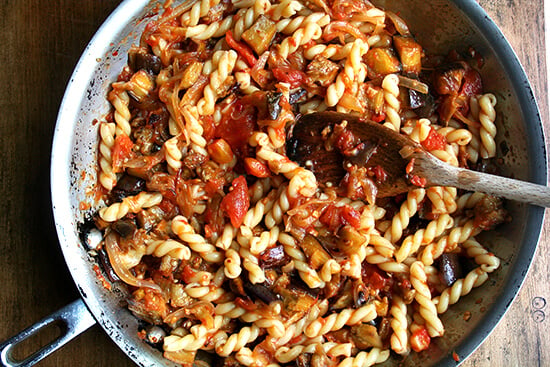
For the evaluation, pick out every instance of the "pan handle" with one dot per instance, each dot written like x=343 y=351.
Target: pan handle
x=73 y=320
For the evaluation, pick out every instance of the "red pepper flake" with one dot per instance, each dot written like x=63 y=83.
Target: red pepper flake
x=456 y=357
x=467 y=316
x=434 y=141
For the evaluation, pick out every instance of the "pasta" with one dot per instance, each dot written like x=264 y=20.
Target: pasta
x=238 y=251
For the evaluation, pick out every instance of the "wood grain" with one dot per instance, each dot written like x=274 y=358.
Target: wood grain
x=41 y=42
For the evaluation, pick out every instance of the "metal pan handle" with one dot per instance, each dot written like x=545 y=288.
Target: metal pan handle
x=74 y=319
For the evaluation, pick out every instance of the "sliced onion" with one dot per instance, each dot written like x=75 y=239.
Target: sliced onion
x=113 y=251
x=414 y=84
x=400 y=25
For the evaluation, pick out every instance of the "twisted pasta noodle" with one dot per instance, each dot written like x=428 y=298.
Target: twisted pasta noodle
x=469 y=200
x=175 y=249
x=311 y=31
x=229 y=309
x=399 y=339
x=285 y=9
x=488 y=130
x=265 y=240
x=274 y=327
x=448 y=155
x=456 y=136
x=203 y=32
x=307 y=273
x=250 y=261
x=313 y=105
x=330 y=51
x=254 y=215
x=487 y=261
x=290 y=25
x=246 y=17
x=354 y=72
x=448 y=243
x=130 y=204
x=460 y=288
x=237 y=341
x=120 y=100
x=302 y=181
x=423 y=236
x=336 y=321
x=199 y=9
x=420 y=131
x=365 y=359
x=225 y=66
x=232 y=263
x=190 y=342
x=386 y=264
x=382 y=245
x=442 y=199
x=328 y=269
x=107 y=178
x=228 y=234
x=182 y=228
x=390 y=85
x=173 y=154
x=407 y=210
x=424 y=298
x=245 y=82
x=194 y=129
x=332 y=349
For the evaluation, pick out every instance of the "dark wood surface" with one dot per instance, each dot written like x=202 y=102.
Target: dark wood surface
x=40 y=43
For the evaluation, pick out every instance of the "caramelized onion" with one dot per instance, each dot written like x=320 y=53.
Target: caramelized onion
x=113 y=251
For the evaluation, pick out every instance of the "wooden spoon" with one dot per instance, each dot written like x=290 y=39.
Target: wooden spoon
x=306 y=146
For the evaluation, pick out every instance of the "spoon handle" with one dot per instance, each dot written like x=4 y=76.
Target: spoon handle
x=440 y=173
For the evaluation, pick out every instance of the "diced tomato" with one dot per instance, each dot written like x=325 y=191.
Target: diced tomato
x=434 y=141
x=237 y=126
x=293 y=77
x=209 y=128
x=236 y=203
x=346 y=141
x=379 y=173
x=335 y=217
x=330 y=218
x=420 y=339
x=351 y=216
x=256 y=168
x=242 y=49
x=187 y=274
x=376 y=281
x=418 y=181
x=121 y=151
x=374 y=277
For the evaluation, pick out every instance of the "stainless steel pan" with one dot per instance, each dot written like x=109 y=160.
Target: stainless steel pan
x=440 y=25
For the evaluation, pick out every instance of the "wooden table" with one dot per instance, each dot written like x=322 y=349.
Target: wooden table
x=40 y=43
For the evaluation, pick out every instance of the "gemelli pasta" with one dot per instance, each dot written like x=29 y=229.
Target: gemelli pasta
x=236 y=254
